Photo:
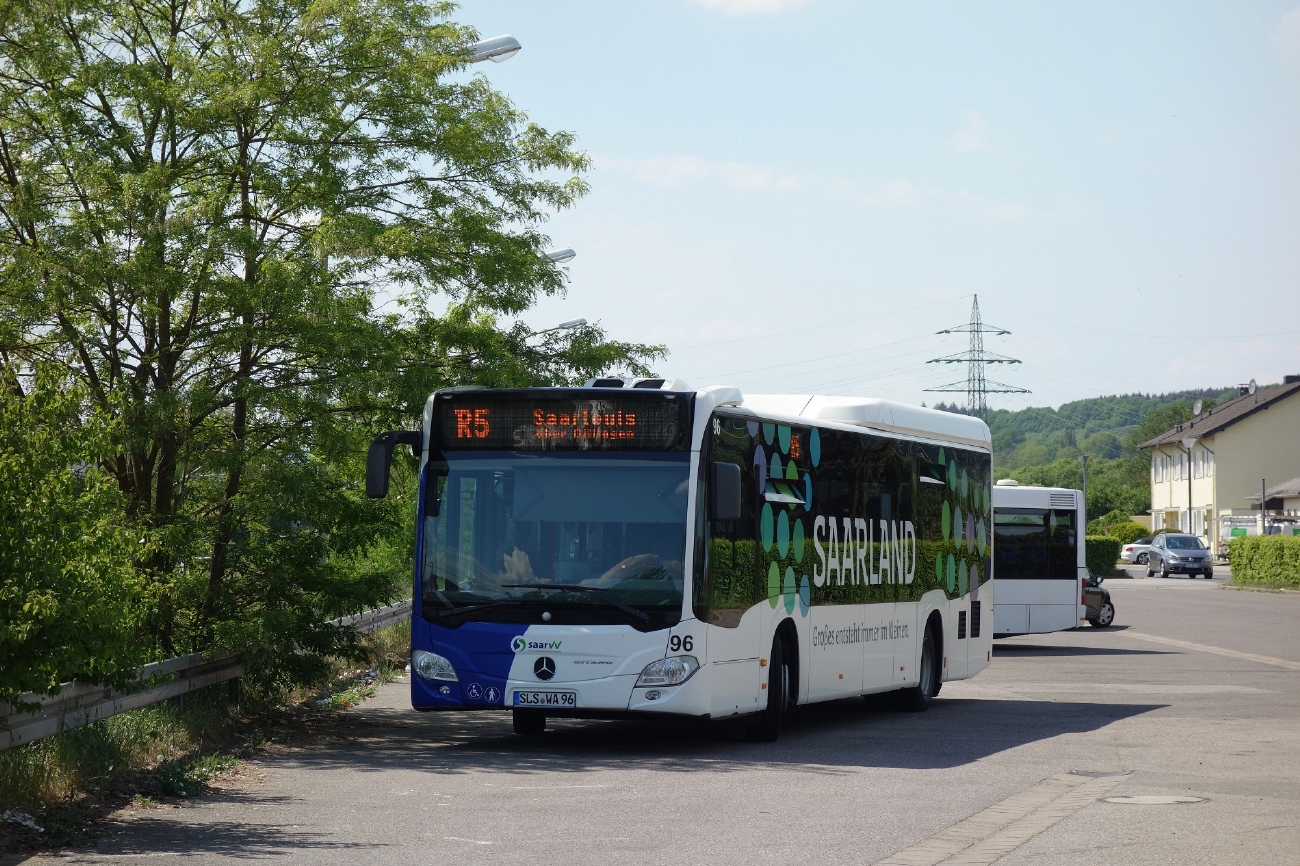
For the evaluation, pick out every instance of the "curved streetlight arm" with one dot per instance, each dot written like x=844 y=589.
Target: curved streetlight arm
x=563 y=326
x=497 y=49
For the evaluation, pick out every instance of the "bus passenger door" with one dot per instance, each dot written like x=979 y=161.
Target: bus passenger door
x=837 y=628
x=878 y=651
x=726 y=585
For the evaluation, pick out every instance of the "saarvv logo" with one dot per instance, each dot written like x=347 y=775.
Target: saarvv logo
x=520 y=644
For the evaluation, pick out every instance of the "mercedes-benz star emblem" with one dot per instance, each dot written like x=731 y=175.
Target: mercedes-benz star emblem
x=544 y=667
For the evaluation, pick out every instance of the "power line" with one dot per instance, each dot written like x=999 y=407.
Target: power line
x=813 y=327
x=976 y=386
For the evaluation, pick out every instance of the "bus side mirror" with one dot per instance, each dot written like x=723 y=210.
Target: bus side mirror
x=379 y=459
x=724 y=478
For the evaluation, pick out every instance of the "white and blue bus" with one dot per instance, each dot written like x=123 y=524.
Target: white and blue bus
x=1040 y=561
x=638 y=548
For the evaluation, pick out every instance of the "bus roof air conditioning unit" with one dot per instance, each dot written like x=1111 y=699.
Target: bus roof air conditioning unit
x=662 y=384
x=645 y=384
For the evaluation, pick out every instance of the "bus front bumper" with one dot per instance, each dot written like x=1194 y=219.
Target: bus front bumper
x=601 y=697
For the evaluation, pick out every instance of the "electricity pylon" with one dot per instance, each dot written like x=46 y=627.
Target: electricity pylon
x=976 y=386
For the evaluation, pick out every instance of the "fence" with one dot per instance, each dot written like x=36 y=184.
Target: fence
x=78 y=704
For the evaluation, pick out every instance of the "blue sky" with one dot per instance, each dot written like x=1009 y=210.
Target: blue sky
x=794 y=196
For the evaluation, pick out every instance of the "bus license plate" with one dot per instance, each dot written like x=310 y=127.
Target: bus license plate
x=546 y=699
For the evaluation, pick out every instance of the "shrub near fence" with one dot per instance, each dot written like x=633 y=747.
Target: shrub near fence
x=1271 y=561
x=1101 y=553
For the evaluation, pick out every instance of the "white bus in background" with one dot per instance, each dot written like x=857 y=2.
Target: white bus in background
x=641 y=548
x=1039 y=559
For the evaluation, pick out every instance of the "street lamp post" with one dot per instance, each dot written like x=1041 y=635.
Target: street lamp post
x=1263 y=515
x=1188 y=442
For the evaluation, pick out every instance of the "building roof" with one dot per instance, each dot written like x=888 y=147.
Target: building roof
x=1225 y=415
x=1286 y=490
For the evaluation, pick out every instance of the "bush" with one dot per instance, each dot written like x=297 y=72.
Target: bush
x=1101 y=552
x=1101 y=525
x=1271 y=561
x=1128 y=532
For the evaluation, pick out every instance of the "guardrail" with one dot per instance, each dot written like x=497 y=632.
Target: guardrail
x=77 y=704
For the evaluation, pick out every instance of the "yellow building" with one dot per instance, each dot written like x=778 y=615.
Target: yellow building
x=1212 y=465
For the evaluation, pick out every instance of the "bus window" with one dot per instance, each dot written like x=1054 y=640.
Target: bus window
x=1062 y=550
x=1020 y=548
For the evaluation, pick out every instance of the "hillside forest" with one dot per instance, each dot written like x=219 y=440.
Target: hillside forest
x=1043 y=445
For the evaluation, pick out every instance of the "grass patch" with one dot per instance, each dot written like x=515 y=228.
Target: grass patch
x=68 y=782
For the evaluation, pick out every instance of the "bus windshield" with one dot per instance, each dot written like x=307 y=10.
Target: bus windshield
x=587 y=538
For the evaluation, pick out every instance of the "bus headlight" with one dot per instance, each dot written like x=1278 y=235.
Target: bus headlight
x=672 y=671
x=431 y=666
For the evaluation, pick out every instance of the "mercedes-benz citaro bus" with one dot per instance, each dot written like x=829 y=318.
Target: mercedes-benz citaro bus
x=1040 y=560
x=637 y=548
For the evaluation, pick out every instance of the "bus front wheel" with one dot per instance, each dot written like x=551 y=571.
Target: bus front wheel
x=765 y=727
x=529 y=723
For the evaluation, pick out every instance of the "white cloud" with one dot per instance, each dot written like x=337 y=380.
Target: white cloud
x=898 y=193
x=1286 y=40
x=901 y=194
x=679 y=170
x=747 y=7
x=974 y=136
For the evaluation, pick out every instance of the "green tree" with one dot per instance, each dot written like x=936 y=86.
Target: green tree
x=69 y=592
x=1158 y=421
x=1113 y=485
x=261 y=230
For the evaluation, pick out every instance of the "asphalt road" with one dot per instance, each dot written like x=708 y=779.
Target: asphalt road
x=1195 y=693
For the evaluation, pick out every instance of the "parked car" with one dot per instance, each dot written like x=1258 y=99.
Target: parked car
x=1101 y=611
x=1175 y=553
x=1137 y=551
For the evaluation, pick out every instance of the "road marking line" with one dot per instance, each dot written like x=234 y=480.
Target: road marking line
x=1217 y=650
x=987 y=836
x=462 y=839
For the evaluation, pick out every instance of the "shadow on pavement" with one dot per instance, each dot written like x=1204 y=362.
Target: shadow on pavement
x=832 y=738
x=823 y=738
x=164 y=836
x=1013 y=650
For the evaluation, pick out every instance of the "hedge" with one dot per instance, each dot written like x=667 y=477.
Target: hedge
x=1128 y=532
x=1272 y=561
x=1101 y=552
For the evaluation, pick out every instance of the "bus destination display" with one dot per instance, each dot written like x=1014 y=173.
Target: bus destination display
x=563 y=424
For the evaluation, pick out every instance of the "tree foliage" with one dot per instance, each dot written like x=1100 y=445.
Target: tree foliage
x=1106 y=428
x=1113 y=485
x=69 y=594
x=255 y=231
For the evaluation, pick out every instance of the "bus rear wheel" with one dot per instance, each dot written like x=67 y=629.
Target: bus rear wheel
x=529 y=723
x=917 y=699
x=765 y=727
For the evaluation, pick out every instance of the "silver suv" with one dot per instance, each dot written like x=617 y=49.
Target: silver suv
x=1173 y=553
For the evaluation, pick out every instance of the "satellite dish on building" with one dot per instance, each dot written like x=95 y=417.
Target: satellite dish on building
x=1197 y=406
x=1250 y=389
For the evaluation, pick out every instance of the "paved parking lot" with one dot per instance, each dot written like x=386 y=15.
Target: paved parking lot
x=1194 y=694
